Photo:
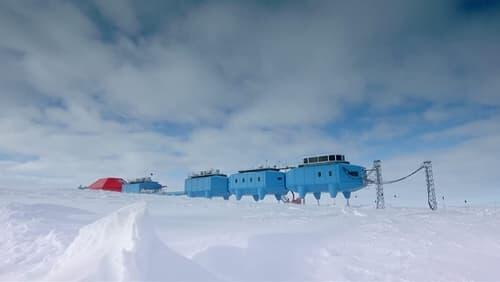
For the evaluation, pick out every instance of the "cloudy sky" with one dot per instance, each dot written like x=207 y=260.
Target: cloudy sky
x=125 y=88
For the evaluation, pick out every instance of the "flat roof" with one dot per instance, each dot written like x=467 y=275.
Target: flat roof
x=207 y=175
x=259 y=169
x=324 y=163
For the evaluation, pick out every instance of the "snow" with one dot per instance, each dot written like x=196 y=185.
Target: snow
x=123 y=246
x=78 y=235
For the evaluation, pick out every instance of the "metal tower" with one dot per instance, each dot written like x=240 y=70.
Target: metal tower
x=431 y=192
x=380 y=187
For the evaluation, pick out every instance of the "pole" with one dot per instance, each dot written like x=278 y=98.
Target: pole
x=380 y=188
x=431 y=191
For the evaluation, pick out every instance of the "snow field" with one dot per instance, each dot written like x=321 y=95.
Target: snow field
x=74 y=235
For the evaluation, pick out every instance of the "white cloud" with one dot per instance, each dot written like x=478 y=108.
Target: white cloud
x=121 y=13
x=251 y=83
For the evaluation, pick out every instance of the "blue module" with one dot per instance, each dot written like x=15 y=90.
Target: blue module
x=258 y=183
x=207 y=184
x=329 y=173
x=142 y=185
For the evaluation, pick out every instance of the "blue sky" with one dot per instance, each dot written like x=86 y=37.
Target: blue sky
x=124 y=87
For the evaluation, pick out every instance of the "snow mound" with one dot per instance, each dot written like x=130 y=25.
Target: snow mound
x=32 y=235
x=123 y=246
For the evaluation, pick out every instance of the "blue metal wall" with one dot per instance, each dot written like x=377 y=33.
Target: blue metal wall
x=207 y=186
x=323 y=174
x=258 y=183
x=325 y=177
x=151 y=186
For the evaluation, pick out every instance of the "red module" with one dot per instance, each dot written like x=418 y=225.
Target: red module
x=109 y=184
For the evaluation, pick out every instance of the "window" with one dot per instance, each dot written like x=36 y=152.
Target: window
x=323 y=159
x=331 y=157
x=338 y=157
x=330 y=173
x=319 y=173
x=258 y=179
x=305 y=160
x=236 y=180
x=280 y=178
x=313 y=159
x=250 y=179
x=353 y=173
x=243 y=180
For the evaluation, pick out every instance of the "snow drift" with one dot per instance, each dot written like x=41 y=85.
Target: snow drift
x=53 y=235
x=123 y=246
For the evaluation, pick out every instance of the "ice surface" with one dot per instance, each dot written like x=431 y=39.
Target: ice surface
x=123 y=246
x=69 y=234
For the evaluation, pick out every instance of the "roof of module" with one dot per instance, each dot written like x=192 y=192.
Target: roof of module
x=259 y=169
x=109 y=184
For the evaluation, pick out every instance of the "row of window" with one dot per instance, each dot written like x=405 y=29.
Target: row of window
x=251 y=179
x=352 y=173
x=329 y=173
x=320 y=159
x=243 y=179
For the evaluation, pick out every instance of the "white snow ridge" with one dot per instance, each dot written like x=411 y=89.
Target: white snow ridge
x=123 y=246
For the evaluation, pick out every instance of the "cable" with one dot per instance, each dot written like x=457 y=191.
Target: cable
x=403 y=178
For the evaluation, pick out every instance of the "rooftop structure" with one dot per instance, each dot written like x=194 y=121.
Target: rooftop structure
x=207 y=172
x=324 y=159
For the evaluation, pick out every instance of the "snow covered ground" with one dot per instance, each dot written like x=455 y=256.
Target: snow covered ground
x=78 y=235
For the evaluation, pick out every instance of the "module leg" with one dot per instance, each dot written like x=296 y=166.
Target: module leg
x=317 y=196
x=278 y=197
x=347 y=196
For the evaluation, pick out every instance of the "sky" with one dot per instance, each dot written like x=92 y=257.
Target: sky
x=126 y=88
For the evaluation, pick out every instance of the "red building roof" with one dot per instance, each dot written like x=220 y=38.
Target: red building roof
x=109 y=184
